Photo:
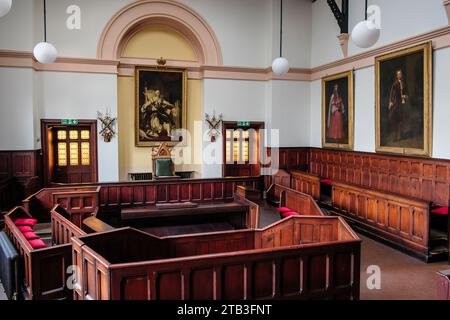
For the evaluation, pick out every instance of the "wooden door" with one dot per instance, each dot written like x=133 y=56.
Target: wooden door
x=70 y=153
x=241 y=150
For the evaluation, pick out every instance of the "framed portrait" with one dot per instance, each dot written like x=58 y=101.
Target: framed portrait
x=403 y=101
x=337 y=111
x=160 y=106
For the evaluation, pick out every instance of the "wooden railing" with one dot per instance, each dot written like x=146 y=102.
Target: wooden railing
x=401 y=220
x=44 y=270
x=78 y=202
x=62 y=228
x=298 y=258
x=299 y=202
x=306 y=183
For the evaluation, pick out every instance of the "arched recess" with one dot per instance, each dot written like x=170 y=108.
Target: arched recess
x=162 y=13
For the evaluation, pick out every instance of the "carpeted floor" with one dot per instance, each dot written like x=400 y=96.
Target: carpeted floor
x=402 y=277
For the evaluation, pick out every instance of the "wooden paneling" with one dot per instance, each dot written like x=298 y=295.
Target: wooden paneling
x=44 y=270
x=306 y=183
x=223 y=266
x=62 y=228
x=149 y=193
x=426 y=179
x=398 y=219
x=299 y=202
x=19 y=176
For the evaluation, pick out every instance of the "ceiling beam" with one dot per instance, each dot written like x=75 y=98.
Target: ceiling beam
x=341 y=15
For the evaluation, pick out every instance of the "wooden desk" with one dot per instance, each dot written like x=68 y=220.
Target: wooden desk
x=202 y=209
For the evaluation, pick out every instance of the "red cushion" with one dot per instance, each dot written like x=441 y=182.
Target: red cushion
x=443 y=211
x=37 y=244
x=290 y=214
x=31 y=236
x=283 y=209
x=25 y=222
x=24 y=229
x=327 y=181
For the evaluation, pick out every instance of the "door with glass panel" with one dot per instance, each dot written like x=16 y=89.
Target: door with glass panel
x=73 y=157
x=242 y=149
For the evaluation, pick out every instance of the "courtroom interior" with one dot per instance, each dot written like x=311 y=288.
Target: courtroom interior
x=224 y=150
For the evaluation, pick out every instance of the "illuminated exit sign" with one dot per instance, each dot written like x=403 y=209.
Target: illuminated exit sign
x=69 y=122
x=243 y=124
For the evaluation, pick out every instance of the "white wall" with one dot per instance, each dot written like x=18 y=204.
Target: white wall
x=249 y=25
x=399 y=19
x=16 y=109
x=441 y=104
x=65 y=95
x=237 y=101
x=289 y=112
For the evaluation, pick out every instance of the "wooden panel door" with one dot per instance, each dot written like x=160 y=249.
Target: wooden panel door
x=69 y=152
x=241 y=150
x=72 y=149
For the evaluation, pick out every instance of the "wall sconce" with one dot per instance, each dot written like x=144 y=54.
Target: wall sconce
x=108 y=123
x=214 y=125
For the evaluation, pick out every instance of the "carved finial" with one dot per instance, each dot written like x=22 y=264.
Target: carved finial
x=161 y=61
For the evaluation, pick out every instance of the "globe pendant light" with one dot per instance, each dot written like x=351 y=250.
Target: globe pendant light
x=280 y=65
x=5 y=6
x=45 y=52
x=365 y=34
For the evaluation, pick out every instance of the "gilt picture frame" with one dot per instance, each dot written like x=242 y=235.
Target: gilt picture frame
x=161 y=106
x=403 y=106
x=338 y=111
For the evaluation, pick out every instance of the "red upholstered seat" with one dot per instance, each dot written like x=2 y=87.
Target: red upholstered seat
x=24 y=229
x=443 y=211
x=37 y=244
x=283 y=209
x=289 y=214
x=327 y=181
x=31 y=236
x=25 y=222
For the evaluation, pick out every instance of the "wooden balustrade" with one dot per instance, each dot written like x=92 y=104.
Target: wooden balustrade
x=400 y=220
x=297 y=258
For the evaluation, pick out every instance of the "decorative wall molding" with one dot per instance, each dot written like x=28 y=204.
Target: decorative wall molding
x=162 y=13
x=25 y=59
x=125 y=66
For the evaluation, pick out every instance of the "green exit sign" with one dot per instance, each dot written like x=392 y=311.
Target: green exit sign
x=243 y=124
x=69 y=122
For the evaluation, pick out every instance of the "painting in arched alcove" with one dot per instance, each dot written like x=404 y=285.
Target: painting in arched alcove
x=160 y=105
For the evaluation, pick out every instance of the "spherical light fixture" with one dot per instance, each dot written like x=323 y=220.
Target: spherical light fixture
x=5 y=6
x=45 y=53
x=280 y=66
x=365 y=34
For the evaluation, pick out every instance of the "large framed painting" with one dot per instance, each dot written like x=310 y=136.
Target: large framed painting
x=337 y=111
x=160 y=106
x=403 y=101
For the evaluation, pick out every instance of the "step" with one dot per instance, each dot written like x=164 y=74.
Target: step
x=438 y=235
x=439 y=250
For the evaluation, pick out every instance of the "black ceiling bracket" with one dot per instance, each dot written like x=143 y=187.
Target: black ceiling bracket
x=341 y=15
